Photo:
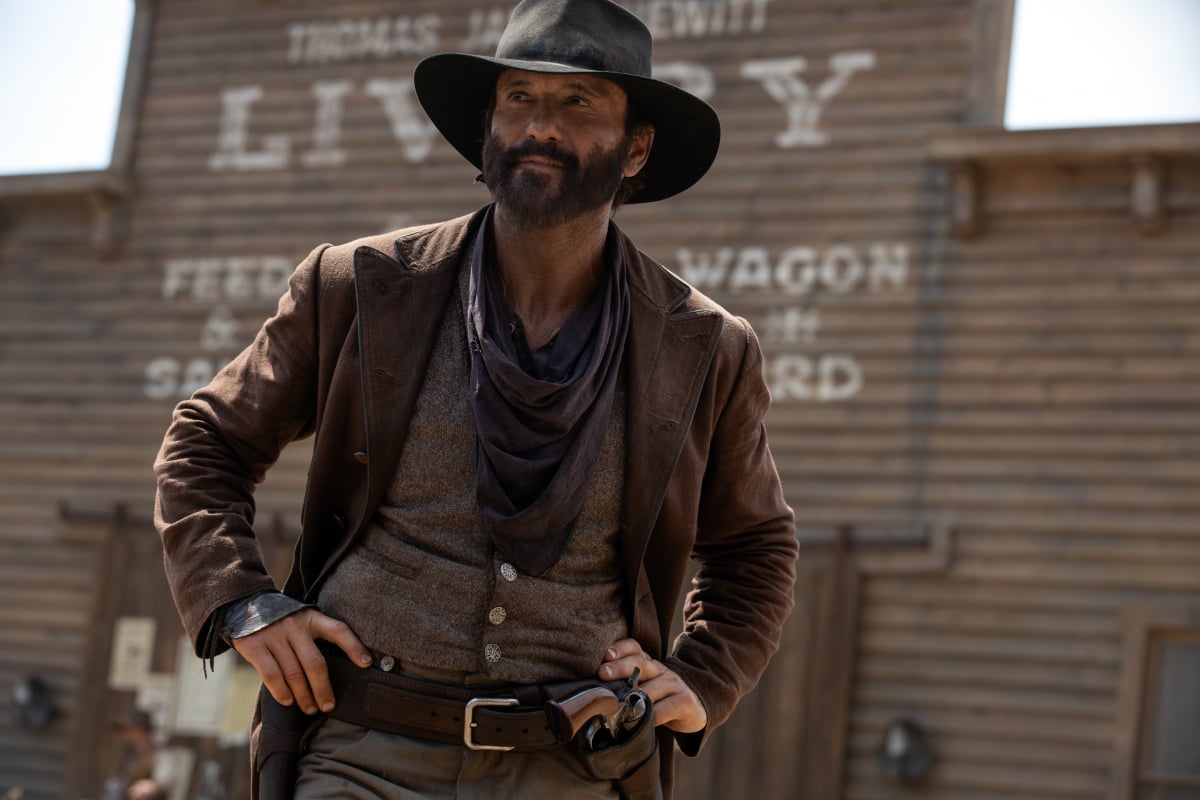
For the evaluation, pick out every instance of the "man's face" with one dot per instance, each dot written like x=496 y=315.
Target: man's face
x=558 y=148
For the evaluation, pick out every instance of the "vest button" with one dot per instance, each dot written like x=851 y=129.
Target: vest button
x=492 y=653
x=508 y=572
x=497 y=615
x=387 y=663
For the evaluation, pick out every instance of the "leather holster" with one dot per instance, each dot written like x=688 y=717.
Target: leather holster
x=631 y=764
x=277 y=736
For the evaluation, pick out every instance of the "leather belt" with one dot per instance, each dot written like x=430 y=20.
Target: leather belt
x=503 y=718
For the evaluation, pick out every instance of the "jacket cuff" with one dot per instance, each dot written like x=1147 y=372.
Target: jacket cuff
x=690 y=744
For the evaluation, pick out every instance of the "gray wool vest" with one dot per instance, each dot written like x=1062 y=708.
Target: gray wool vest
x=423 y=584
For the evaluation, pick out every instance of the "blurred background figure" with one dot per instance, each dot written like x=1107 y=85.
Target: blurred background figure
x=142 y=772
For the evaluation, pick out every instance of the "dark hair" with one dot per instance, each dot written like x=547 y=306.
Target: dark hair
x=635 y=122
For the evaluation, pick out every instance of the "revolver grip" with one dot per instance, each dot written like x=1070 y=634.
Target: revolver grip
x=569 y=715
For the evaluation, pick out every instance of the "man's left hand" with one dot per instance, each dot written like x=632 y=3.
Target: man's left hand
x=675 y=704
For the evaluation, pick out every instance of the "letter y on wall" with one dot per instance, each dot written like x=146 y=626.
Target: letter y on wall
x=780 y=77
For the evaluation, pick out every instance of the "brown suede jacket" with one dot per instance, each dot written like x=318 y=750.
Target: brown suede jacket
x=343 y=358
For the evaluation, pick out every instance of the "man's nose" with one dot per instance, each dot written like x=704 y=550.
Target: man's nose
x=543 y=123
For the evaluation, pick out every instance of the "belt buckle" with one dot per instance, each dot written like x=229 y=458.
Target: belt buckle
x=469 y=721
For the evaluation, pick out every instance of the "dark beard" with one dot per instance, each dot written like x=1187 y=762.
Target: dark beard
x=527 y=197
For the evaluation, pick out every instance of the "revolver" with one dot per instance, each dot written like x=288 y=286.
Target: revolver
x=598 y=716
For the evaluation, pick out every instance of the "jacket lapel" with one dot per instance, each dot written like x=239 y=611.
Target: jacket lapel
x=396 y=331
x=669 y=352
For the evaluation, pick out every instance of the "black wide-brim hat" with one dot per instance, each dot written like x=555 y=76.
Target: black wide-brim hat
x=594 y=37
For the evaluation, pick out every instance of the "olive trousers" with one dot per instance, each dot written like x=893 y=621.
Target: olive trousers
x=349 y=762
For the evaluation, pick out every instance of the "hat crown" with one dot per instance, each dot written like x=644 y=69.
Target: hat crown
x=596 y=35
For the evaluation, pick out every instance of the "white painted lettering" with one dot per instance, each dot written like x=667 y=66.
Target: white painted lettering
x=197 y=373
x=758 y=22
x=421 y=36
x=162 y=378
x=799 y=270
x=790 y=326
x=484 y=28
x=232 y=141
x=239 y=278
x=689 y=76
x=206 y=279
x=220 y=331
x=273 y=275
x=889 y=266
x=704 y=270
x=791 y=376
x=296 y=33
x=337 y=41
x=327 y=129
x=226 y=279
x=680 y=19
x=841 y=378
x=692 y=18
x=796 y=270
x=780 y=77
x=409 y=125
x=654 y=14
x=841 y=270
x=177 y=275
x=753 y=270
x=169 y=378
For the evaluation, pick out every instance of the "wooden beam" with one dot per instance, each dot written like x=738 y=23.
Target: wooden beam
x=1064 y=145
x=136 y=68
x=913 y=549
x=25 y=187
x=965 y=195
x=991 y=43
x=104 y=191
x=969 y=152
x=1146 y=194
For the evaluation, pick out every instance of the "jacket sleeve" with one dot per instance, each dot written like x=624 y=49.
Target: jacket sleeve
x=746 y=548
x=219 y=446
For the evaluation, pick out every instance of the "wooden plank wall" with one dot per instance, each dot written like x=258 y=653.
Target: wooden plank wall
x=1064 y=440
x=1036 y=385
x=787 y=733
x=50 y=418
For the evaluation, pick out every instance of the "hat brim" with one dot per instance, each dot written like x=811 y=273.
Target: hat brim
x=456 y=88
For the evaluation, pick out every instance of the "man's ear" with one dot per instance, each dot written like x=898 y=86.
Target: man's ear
x=639 y=150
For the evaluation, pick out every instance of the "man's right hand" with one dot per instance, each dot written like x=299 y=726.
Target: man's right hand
x=286 y=657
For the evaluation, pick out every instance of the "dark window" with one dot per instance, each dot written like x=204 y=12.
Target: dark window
x=1169 y=757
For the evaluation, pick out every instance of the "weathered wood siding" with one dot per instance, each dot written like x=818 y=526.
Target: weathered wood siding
x=1062 y=435
x=56 y=416
x=1007 y=423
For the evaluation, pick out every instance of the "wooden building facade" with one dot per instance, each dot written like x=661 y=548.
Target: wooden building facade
x=983 y=348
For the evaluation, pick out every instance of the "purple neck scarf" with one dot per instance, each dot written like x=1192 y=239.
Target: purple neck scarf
x=539 y=437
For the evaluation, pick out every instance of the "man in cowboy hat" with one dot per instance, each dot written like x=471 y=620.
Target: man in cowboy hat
x=525 y=427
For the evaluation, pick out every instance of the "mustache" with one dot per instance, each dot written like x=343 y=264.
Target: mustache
x=547 y=150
